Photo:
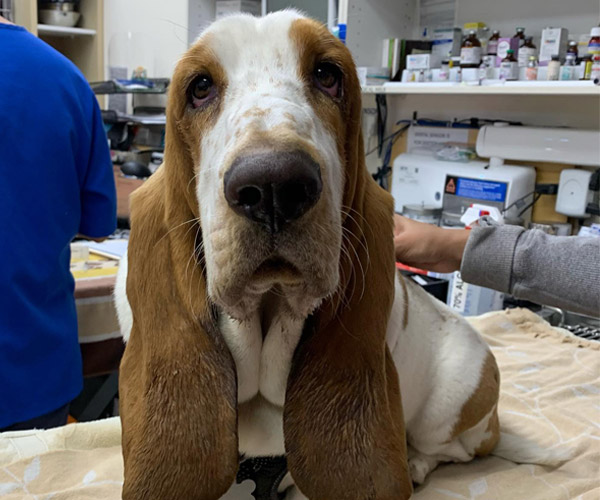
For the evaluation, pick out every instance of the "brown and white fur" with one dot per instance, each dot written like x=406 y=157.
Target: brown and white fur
x=448 y=376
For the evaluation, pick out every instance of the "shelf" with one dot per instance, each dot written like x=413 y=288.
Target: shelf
x=63 y=31
x=573 y=88
x=148 y=86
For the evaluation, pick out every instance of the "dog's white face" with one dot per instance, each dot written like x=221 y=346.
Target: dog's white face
x=263 y=118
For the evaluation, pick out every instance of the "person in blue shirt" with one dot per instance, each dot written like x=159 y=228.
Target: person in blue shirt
x=56 y=180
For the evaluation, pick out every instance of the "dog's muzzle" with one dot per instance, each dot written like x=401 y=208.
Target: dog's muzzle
x=273 y=188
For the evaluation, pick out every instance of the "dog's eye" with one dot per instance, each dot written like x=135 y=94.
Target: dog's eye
x=328 y=78
x=201 y=90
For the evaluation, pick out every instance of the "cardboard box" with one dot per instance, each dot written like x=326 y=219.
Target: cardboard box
x=506 y=44
x=226 y=7
x=418 y=61
x=446 y=43
x=554 y=42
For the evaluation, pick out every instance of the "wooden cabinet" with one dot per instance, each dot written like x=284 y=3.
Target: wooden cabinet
x=125 y=186
x=84 y=44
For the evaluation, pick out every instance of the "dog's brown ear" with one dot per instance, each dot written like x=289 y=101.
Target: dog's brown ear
x=343 y=422
x=177 y=379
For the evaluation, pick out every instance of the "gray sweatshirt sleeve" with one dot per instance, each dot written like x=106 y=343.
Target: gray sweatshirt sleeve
x=561 y=271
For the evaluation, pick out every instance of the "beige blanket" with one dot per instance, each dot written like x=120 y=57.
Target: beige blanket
x=550 y=394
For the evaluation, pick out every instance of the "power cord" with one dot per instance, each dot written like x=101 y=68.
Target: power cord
x=540 y=189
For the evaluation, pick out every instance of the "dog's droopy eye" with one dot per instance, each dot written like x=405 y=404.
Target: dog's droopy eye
x=328 y=78
x=201 y=90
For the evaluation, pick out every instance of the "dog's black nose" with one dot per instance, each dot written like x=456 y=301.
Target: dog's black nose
x=273 y=188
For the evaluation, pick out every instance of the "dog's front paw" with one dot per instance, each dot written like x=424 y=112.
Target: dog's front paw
x=420 y=466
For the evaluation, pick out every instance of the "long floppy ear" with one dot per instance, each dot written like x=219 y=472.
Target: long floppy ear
x=177 y=378
x=343 y=421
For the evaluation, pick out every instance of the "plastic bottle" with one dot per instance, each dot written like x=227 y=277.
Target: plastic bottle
x=527 y=50
x=509 y=67
x=573 y=48
x=520 y=34
x=492 y=47
x=531 y=72
x=470 y=52
x=594 y=43
x=595 y=74
x=553 y=68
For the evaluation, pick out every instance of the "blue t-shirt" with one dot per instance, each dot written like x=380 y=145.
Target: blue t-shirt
x=56 y=180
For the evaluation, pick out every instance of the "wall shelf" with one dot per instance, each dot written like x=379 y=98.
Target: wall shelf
x=573 y=88
x=48 y=30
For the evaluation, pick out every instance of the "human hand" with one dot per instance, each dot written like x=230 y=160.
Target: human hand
x=427 y=246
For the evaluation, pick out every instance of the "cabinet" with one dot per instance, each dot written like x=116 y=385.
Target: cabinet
x=84 y=44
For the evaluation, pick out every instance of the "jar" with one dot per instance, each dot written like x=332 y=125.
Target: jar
x=470 y=52
x=554 y=68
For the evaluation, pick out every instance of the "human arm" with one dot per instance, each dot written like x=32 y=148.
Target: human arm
x=561 y=271
x=554 y=270
x=98 y=192
x=427 y=246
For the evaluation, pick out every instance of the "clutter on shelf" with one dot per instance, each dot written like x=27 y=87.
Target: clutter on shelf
x=472 y=54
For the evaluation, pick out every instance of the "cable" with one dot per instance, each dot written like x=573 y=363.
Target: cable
x=391 y=136
x=517 y=201
x=535 y=199
x=382 y=114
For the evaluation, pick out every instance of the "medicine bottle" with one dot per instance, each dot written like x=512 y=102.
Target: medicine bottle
x=470 y=52
x=586 y=67
x=509 y=67
x=531 y=72
x=594 y=44
x=595 y=74
x=527 y=50
x=520 y=34
x=553 y=68
x=492 y=47
x=573 y=48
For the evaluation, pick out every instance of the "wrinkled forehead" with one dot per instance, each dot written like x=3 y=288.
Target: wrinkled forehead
x=250 y=49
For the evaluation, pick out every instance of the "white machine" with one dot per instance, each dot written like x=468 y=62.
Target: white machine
x=423 y=179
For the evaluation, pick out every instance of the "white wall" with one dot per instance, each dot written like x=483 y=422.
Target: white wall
x=578 y=16
x=161 y=24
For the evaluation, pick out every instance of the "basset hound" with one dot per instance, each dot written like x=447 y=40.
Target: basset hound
x=259 y=299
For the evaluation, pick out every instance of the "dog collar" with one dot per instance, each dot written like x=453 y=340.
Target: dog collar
x=266 y=473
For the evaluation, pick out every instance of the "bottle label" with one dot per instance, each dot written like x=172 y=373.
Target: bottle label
x=470 y=55
x=524 y=54
x=509 y=70
x=492 y=48
x=503 y=47
x=553 y=70
x=567 y=73
x=531 y=73
x=594 y=48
